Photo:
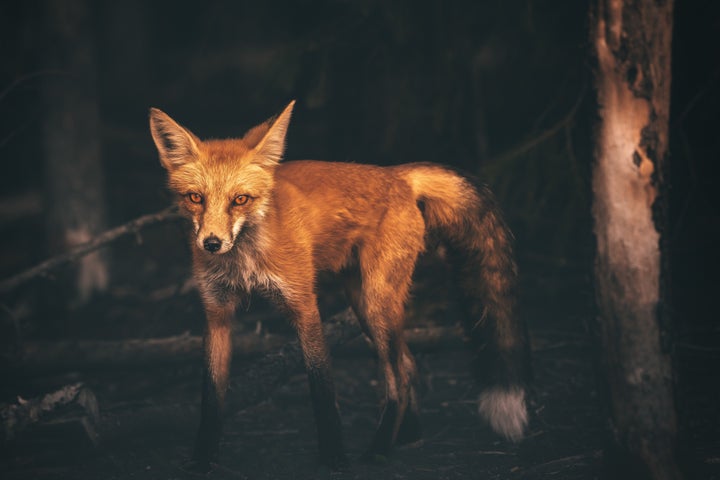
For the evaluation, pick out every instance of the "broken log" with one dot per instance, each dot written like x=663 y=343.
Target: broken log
x=249 y=385
x=46 y=357
x=84 y=355
x=71 y=404
x=257 y=380
x=255 y=383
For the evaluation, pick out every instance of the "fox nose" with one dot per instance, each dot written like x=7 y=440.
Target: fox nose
x=212 y=244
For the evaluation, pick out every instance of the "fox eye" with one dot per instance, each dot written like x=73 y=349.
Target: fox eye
x=195 y=197
x=240 y=200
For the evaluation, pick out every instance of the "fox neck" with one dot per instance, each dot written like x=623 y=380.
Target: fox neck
x=237 y=272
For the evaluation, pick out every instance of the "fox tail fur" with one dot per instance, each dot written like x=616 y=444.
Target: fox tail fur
x=465 y=217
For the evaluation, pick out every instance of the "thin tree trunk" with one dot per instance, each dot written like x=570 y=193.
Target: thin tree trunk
x=74 y=174
x=632 y=40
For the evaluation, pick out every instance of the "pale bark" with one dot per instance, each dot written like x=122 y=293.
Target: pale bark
x=632 y=40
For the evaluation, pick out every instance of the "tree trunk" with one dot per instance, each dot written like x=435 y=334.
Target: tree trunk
x=74 y=174
x=632 y=40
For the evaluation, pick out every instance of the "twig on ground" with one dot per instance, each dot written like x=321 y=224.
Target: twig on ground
x=565 y=462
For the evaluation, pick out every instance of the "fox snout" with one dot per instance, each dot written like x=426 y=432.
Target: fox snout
x=212 y=244
x=217 y=237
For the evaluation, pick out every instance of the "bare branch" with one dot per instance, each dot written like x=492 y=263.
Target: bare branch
x=101 y=240
x=533 y=142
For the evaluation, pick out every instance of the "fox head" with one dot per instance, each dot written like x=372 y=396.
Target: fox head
x=224 y=186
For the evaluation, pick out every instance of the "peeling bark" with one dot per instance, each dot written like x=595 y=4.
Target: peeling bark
x=632 y=40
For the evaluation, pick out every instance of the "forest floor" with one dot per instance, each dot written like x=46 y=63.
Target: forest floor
x=148 y=415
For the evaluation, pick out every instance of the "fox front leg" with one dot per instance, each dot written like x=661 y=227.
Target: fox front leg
x=306 y=320
x=218 y=352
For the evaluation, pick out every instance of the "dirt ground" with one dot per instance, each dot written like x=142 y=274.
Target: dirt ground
x=150 y=418
x=148 y=415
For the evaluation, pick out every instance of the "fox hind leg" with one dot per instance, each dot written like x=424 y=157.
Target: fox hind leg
x=380 y=309
x=410 y=430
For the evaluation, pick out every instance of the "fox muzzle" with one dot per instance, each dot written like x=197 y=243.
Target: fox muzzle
x=212 y=244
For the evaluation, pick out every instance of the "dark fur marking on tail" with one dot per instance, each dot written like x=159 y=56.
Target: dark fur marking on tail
x=480 y=250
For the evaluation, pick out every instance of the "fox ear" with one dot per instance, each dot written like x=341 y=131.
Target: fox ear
x=271 y=147
x=176 y=144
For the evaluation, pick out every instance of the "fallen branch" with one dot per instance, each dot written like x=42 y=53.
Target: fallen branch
x=56 y=356
x=257 y=380
x=421 y=339
x=44 y=357
x=81 y=250
x=254 y=382
x=58 y=406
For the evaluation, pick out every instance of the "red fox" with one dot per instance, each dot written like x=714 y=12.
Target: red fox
x=259 y=224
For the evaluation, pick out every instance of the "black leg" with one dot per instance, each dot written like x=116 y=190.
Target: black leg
x=208 y=437
x=322 y=390
x=218 y=352
x=327 y=419
x=383 y=440
x=410 y=429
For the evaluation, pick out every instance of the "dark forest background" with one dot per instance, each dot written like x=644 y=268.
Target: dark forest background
x=501 y=89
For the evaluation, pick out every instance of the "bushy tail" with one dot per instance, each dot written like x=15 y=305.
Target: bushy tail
x=479 y=243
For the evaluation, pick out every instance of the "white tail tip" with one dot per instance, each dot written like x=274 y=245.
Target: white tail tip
x=505 y=411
